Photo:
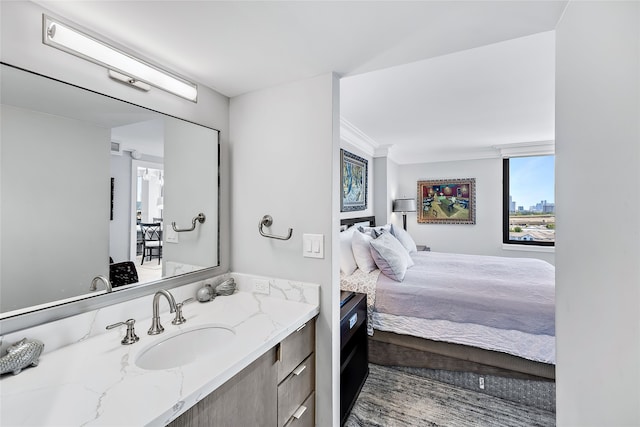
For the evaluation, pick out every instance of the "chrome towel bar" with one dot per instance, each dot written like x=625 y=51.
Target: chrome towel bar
x=267 y=221
x=200 y=218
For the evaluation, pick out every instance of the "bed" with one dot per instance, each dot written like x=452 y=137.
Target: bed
x=482 y=314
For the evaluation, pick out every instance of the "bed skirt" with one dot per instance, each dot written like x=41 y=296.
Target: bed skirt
x=388 y=348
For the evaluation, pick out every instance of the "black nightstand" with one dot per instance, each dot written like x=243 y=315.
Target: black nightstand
x=423 y=248
x=354 y=357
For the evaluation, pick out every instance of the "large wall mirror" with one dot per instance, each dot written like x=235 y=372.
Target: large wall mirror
x=82 y=174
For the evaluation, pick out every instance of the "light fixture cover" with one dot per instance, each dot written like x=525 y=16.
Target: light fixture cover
x=404 y=205
x=70 y=40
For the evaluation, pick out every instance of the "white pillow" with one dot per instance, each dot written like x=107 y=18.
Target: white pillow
x=404 y=238
x=362 y=251
x=347 y=261
x=390 y=256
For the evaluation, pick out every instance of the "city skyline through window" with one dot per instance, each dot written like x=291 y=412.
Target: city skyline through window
x=529 y=190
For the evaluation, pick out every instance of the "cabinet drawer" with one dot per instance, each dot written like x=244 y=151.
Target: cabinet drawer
x=295 y=348
x=305 y=415
x=295 y=389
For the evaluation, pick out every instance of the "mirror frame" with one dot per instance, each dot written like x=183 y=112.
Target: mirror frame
x=58 y=311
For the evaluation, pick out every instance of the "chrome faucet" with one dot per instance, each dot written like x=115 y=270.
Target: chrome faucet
x=156 y=327
x=107 y=283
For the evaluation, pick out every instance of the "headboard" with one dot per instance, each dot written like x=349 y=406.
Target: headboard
x=350 y=221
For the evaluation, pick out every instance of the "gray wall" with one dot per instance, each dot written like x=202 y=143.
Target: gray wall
x=40 y=241
x=285 y=153
x=482 y=238
x=598 y=240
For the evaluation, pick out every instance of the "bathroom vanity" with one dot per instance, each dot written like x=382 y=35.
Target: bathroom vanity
x=275 y=390
x=263 y=373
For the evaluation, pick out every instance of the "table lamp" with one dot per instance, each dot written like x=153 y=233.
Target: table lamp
x=404 y=206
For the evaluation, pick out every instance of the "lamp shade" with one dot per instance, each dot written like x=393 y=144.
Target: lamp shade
x=404 y=205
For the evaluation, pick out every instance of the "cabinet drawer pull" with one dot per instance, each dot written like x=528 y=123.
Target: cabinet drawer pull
x=301 y=327
x=301 y=410
x=299 y=370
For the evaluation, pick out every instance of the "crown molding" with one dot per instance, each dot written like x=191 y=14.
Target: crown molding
x=417 y=157
x=533 y=148
x=354 y=136
x=383 y=151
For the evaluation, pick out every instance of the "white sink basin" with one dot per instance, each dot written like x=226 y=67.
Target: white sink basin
x=185 y=346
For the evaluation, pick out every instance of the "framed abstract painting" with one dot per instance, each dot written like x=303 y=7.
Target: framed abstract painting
x=353 y=182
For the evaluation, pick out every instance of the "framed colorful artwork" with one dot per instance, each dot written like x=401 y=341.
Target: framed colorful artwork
x=447 y=201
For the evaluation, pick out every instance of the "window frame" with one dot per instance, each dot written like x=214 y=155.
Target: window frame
x=505 y=207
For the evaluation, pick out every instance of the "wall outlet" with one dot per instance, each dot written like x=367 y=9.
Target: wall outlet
x=481 y=383
x=261 y=286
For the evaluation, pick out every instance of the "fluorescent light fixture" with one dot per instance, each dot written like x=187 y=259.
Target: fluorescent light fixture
x=70 y=40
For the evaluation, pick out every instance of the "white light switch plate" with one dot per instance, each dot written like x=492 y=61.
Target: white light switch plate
x=313 y=245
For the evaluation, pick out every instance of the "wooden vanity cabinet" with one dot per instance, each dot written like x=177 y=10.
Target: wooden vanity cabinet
x=250 y=398
x=276 y=390
x=296 y=378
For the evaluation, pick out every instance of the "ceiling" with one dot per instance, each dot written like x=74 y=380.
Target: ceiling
x=429 y=77
x=457 y=106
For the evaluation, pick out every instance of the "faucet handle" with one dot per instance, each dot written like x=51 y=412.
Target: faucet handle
x=130 y=336
x=179 y=319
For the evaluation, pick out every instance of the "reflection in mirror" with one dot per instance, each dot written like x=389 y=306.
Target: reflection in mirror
x=80 y=173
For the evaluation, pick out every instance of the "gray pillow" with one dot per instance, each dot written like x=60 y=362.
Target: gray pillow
x=390 y=256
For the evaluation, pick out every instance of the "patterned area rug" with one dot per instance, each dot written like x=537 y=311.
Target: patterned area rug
x=393 y=398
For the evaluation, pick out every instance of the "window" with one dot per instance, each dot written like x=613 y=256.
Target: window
x=529 y=210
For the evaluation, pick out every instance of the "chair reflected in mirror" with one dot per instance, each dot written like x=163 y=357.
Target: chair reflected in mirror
x=122 y=273
x=151 y=241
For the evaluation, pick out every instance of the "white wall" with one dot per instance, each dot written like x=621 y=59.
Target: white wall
x=39 y=240
x=482 y=238
x=284 y=151
x=597 y=244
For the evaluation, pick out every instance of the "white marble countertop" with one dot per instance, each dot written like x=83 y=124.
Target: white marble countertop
x=96 y=382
